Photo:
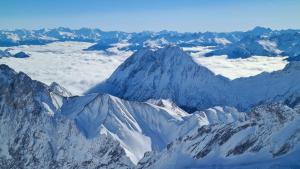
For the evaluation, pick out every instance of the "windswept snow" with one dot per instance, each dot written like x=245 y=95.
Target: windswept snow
x=66 y=63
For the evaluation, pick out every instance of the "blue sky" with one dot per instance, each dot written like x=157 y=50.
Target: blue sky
x=138 y=15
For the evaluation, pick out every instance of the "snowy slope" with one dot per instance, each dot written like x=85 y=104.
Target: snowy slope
x=42 y=126
x=136 y=127
x=170 y=73
x=34 y=135
x=269 y=138
x=249 y=46
x=139 y=127
x=266 y=86
x=167 y=73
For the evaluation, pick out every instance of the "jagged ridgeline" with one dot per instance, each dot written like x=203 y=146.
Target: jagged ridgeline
x=45 y=127
x=170 y=73
x=35 y=134
x=258 y=41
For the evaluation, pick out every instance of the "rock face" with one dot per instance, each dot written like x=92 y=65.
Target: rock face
x=35 y=135
x=269 y=138
x=170 y=73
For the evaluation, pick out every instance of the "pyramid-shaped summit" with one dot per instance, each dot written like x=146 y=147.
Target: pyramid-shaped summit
x=167 y=73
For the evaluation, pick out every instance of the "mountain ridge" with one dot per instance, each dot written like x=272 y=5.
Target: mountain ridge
x=43 y=126
x=164 y=76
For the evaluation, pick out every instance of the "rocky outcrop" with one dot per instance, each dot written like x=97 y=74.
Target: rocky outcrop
x=269 y=137
x=35 y=135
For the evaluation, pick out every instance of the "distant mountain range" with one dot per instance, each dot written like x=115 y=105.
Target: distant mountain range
x=258 y=41
x=263 y=42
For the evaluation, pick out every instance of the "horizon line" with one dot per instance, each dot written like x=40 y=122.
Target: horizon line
x=153 y=31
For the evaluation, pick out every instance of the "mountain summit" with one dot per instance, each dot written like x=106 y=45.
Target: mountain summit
x=170 y=73
x=167 y=73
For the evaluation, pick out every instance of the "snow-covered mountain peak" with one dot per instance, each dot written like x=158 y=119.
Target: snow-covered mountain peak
x=139 y=127
x=169 y=55
x=35 y=135
x=167 y=73
x=220 y=115
x=103 y=131
x=168 y=105
x=16 y=85
x=258 y=30
x=10 y=77
x=58 y=89
x=264 y=141
x=172 y=55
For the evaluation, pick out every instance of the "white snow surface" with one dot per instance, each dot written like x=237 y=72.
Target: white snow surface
x=139 y=127
x=66 y=63
x=219 y=135
x=269 y=139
